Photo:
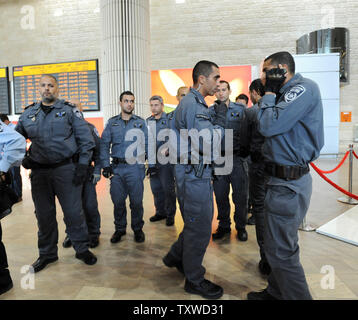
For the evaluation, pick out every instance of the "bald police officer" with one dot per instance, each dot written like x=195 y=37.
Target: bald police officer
x=127 y=170
x=161 y=175
x=12 y=150
x=57 y=131
x=195 y=187
x=291 y=119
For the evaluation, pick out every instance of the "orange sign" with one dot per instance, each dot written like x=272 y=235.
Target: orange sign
x=346 y=116
x=167 y=82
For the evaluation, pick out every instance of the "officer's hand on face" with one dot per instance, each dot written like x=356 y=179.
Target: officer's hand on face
x=80 y=174
x=220 y=114
x=95 y=178
x=151 y=171
x=274 y=79
x=107 y=172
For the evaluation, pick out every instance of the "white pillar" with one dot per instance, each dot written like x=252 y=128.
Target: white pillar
x=125 y=62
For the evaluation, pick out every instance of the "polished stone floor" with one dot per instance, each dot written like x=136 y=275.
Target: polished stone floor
x=132 y=271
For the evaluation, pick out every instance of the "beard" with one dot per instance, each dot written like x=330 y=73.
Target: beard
x=48 y=99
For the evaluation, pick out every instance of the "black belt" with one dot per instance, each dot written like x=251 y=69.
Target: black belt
x=119 y=160
x=54 y=165
x=285 y=172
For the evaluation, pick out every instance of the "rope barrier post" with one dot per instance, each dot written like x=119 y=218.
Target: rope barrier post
x=305 y=226
x=349 y=200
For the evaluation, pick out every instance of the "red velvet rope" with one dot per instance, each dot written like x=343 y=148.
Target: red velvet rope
x=339 y=165
x=332 y=183
x=355 y=154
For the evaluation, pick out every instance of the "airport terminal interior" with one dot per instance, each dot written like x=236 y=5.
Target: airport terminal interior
x=100 y=48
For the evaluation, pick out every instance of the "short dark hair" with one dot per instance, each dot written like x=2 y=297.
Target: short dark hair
x=283 y=57
x=228 y=84
x=203 y=68
x=243 y=96
x=50 y=76
x=125 y=93
x=4 y=117
x=258 y=87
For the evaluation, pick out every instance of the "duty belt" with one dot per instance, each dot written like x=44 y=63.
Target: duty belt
x=285 y=172
x=54 y=165
x=119 y=160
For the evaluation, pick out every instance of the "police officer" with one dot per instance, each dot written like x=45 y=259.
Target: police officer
x=161 y=175
x=257 y=177
x=16 y=180
x=127 y=170
x=242 y=99
x=291 y=119
x=57 y=131
x=12 y=150
x=187 y=253
x=89 y=193
x=238 y=178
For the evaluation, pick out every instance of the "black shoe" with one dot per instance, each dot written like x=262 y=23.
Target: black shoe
x=94 y=242
x=170 y=262
x=262 y=295
x=42 y=262
x=157 y=217
x=170 y=221
x=264 y=268
x=251 y=221
x=6 y=288
x=220 y=233
x=87 y=257
x=242 y=234
x=139 y=236
x=206 y=289
x=67 y=242
x=116 y=237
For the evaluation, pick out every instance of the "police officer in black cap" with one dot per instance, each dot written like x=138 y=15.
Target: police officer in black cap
x=57 y=131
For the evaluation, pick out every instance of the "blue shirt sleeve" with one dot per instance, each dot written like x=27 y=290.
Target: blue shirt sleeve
x=12 y=147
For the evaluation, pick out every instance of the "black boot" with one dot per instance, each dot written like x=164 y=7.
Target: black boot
x=170 y=221
x=220 y=233
x=264 y=268
x=242 y=234
x=117 y=236
x=206 y=289
x=157 y=217
x=139 y=236
x=262 y=295
x=94 y=242
x=67 y=242
x=42 y=262
x=87 y=257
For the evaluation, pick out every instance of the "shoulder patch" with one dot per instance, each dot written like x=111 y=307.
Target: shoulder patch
x=77 y=112
x=96 y=131
x=70 y=104
x=30 y=105
x=294 y=93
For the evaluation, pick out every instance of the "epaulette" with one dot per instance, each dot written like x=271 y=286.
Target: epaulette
x=30 y=105
x=70 y=104
x=170 y=115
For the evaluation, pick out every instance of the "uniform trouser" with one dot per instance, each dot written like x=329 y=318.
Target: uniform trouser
x=5 y=278
x=257 y=190
x=196 y=195
x=45 y=185
x=16 y=181
x=128 y=181
x=286 y=204
x=163 y=189
x=179 y=173
x=239 y=181
x=90 y=209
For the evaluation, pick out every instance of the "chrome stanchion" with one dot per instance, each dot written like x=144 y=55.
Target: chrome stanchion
x=345 y=199
x=306 y=227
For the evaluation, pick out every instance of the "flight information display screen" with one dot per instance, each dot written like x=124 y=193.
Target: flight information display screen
x=4 y=91
x=77 y=80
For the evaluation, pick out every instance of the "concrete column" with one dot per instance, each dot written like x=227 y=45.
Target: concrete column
x=125 y=61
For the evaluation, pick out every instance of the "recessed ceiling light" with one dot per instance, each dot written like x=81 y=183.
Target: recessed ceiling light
x=179 y=1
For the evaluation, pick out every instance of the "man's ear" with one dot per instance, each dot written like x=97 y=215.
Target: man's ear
x=201 y=79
